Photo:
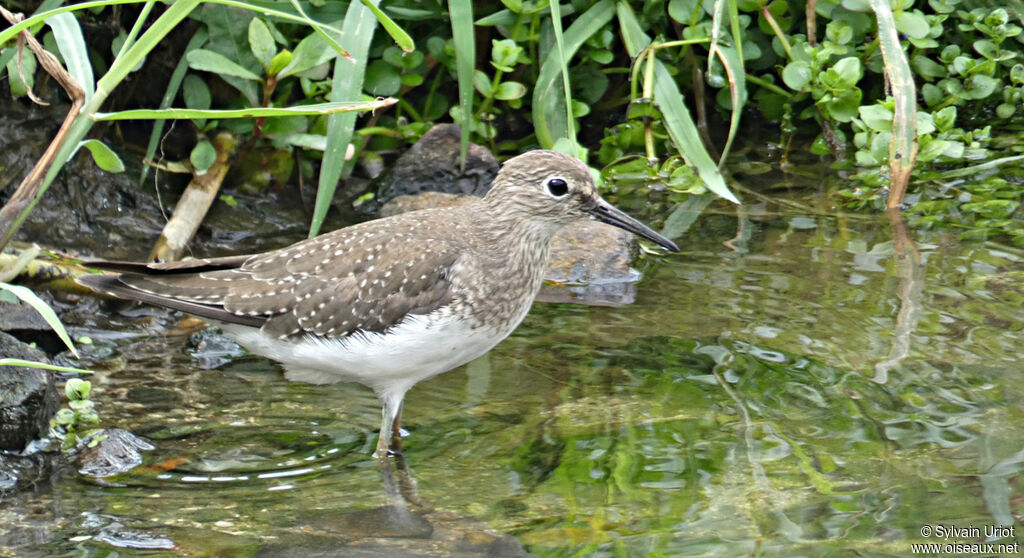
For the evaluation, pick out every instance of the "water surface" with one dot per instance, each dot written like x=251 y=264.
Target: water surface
x=789 y=385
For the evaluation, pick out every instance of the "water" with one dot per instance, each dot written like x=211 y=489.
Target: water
x=813 y=388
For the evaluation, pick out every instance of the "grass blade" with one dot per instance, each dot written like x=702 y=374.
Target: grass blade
x=41 y=365
x=903 y=148
x=356 y=34
x=461 y=12
x=401 y=38
x=250 y=112
x=669 y=99
x=548 y=105
x=732 y=61
x=71 y=44
x=32 y=299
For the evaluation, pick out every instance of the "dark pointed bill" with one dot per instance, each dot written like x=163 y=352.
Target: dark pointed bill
x=607 y=213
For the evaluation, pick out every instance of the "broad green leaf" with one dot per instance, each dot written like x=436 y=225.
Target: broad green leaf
x=945 y=119
x=195 y=92
x=279 y=62
x=877 y=117
x=32 y=299
x=309 y=53
x=261 y=41
x=912 y=24
x=71 y=44
x=203 y=156
x=382 y=79
x=21 y=82
x=509 y=90
x=482 y=83
x=209 y=61
x=105 y=157
x=796 y=75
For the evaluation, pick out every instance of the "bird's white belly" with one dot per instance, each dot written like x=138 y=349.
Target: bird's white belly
x=416 y=349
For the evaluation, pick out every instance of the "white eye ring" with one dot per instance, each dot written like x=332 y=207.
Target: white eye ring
x=557 y=187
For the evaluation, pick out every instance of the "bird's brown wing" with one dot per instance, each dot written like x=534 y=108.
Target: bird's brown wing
x=365 y=277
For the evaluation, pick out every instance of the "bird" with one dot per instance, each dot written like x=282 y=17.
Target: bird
x=390 y=302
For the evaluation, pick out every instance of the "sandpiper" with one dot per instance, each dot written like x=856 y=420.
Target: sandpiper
x=391 y=302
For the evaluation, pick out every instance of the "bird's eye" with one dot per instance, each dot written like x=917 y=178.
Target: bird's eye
x=558 y=187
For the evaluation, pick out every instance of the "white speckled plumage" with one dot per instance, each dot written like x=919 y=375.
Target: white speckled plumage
x=391 y=302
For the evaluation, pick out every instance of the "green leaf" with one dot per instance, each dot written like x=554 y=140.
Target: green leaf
x=19 y=86
x=844 y=106
x=209 y=61
x=796 y=75
x=509 y=90
x=682 y=11
x=944 y=119
x=382 y=78
x=927 y=68
x=482 y=83
x=195 y=92
x=346 y=83
x=401 y=38
x=71 y=44
x=203 y=156
x=279 y=62
x=32 y=299
x=251 y=112
x=77 y=389
x=309 y=53
x=104 y=157
x=912 y=24
x=461 y=15
x=877 y=117
x=681 y=128
x=549 y=110
x=261 y=41
x=41 y=365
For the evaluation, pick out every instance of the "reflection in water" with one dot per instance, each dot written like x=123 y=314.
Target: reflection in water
x=732 y=409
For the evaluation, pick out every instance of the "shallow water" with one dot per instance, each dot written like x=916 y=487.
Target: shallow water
x=813 y=388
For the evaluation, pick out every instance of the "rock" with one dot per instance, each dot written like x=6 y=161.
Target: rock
x=28 y=396
x=432 y=165
x=117 y=453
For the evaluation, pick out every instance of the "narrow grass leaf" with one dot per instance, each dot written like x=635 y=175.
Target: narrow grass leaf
x=401 y=38
x=549 y=110
x=465 y=60
x=41 y=365
x=104 y=156
x=347 y=84
x=667 y=96
x=71 y=44
x=251 y=112
x=32 y=299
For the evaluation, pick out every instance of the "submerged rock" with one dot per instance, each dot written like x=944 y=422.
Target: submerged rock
x=116 y=453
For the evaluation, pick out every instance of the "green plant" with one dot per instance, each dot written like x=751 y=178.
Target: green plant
x=69 y=425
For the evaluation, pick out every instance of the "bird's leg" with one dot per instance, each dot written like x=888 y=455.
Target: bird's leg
x=396 y=432
x=391 y=407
